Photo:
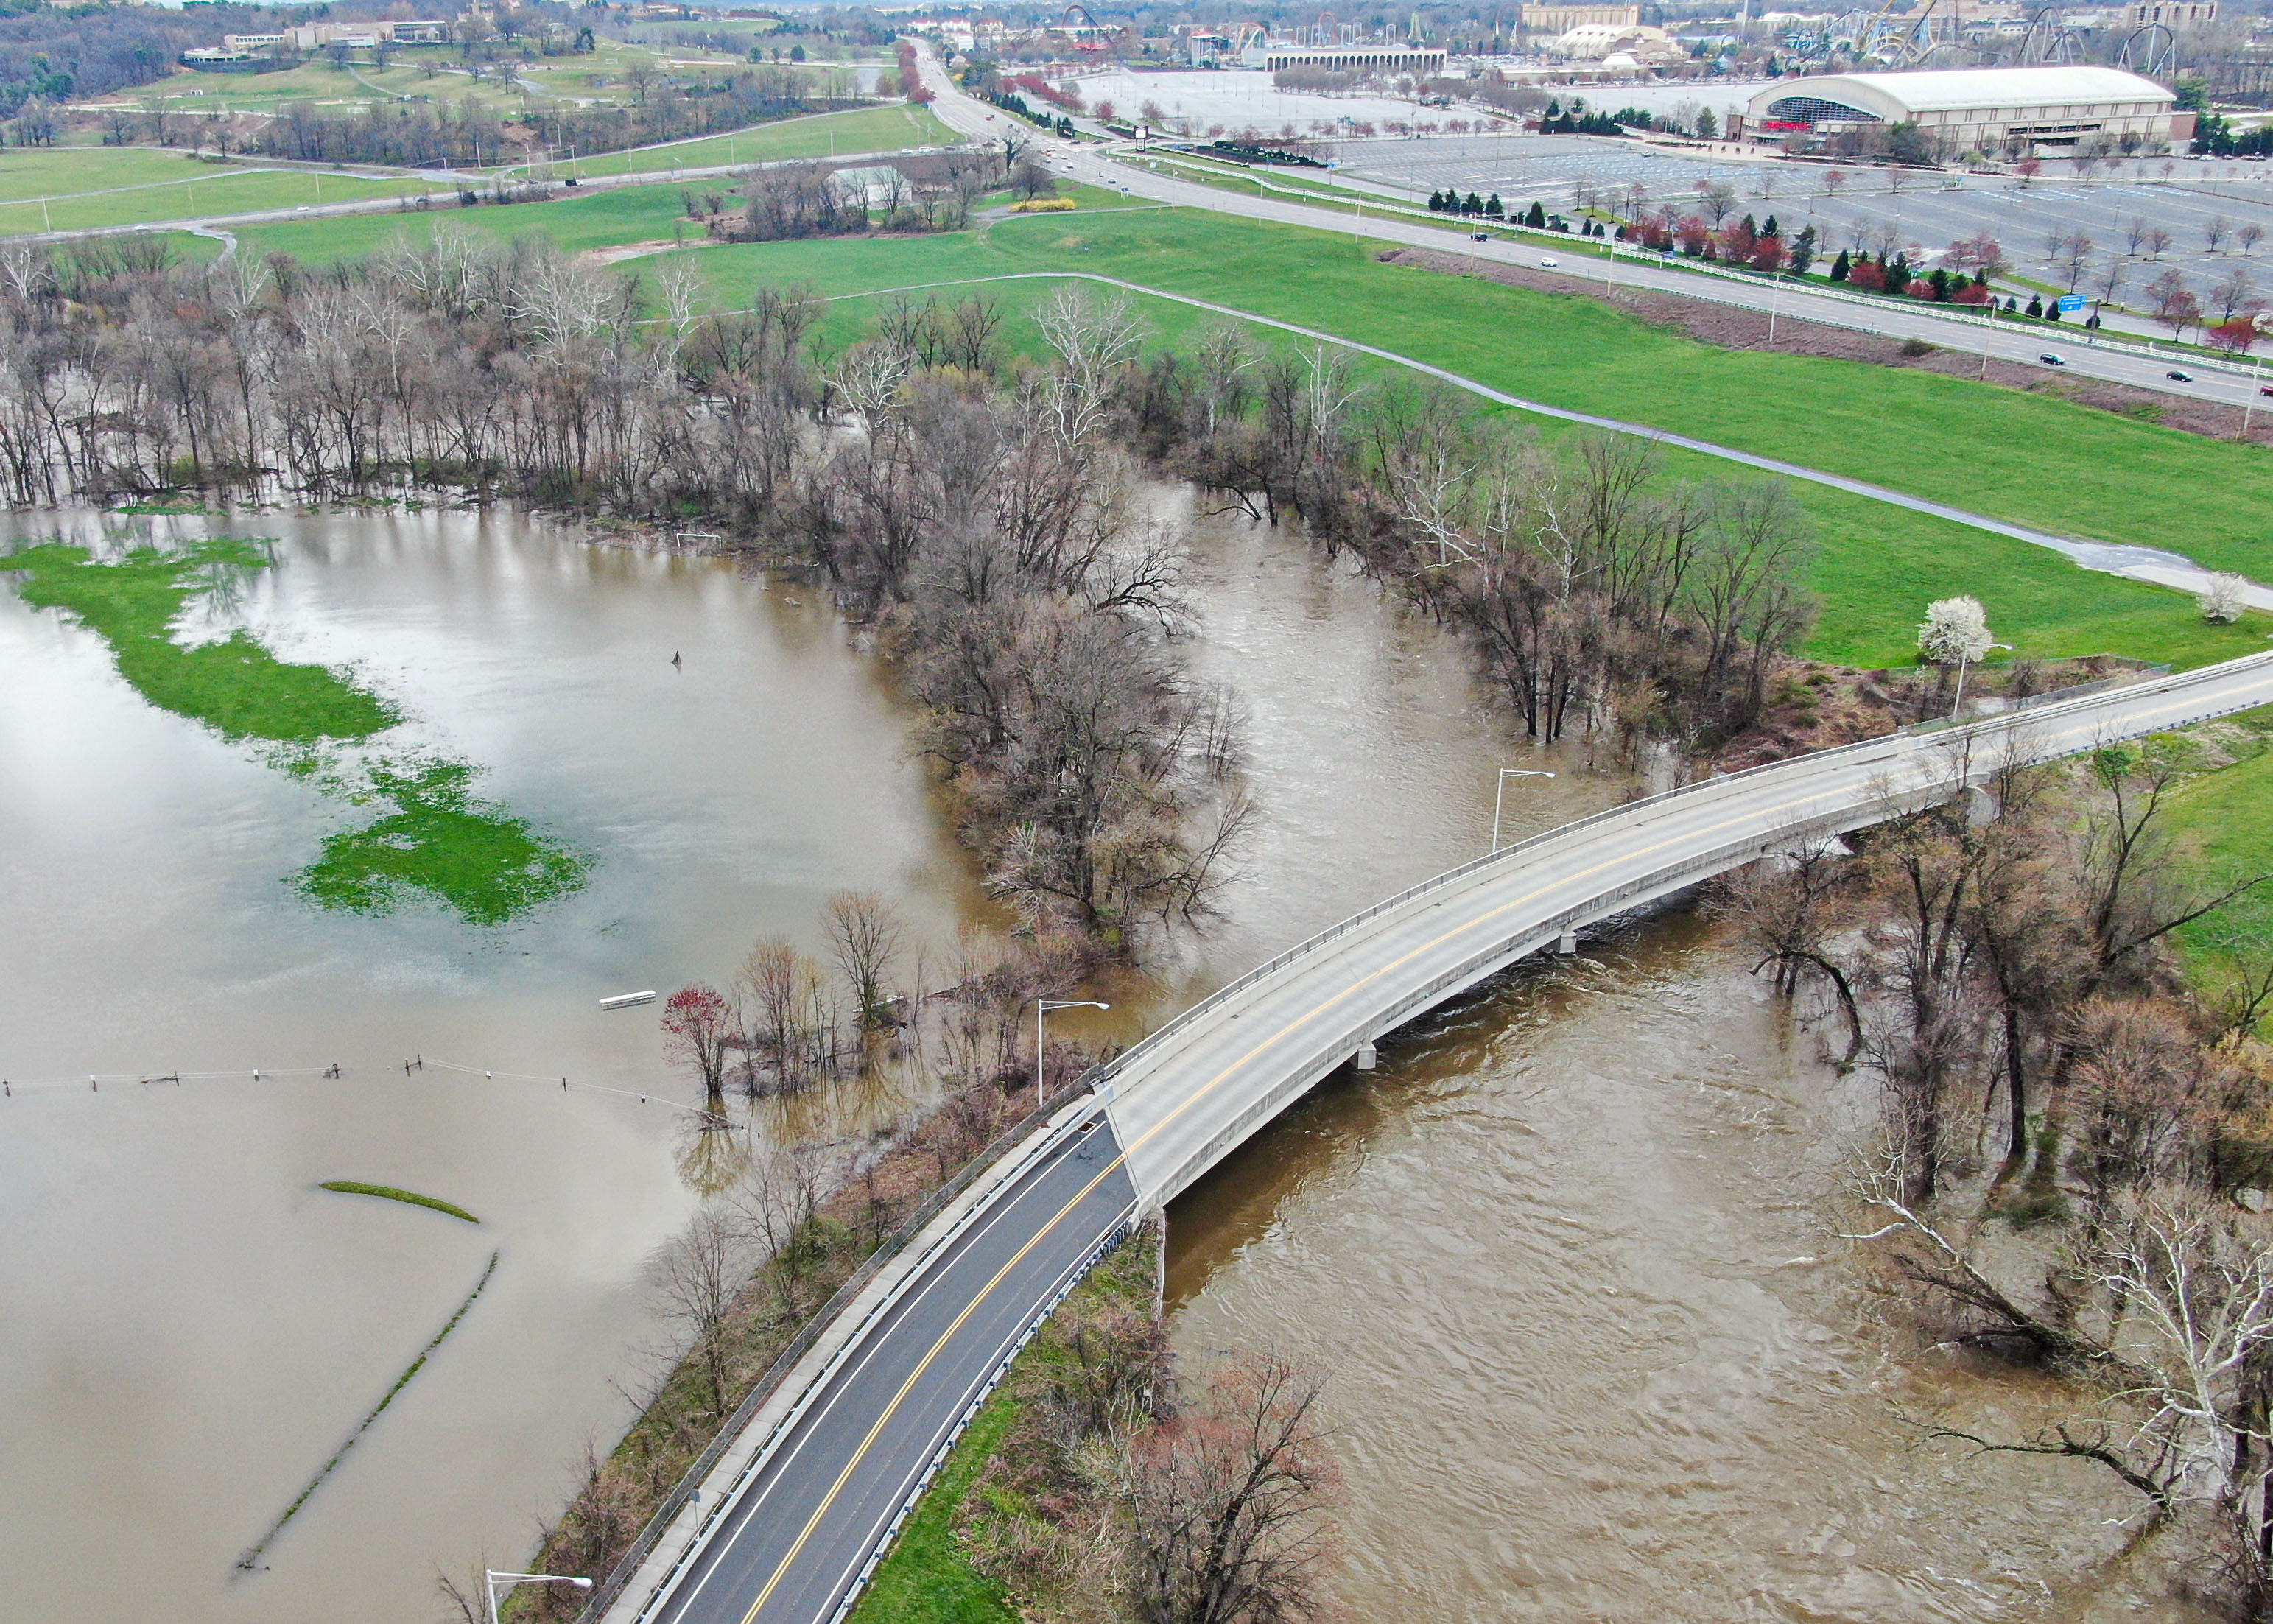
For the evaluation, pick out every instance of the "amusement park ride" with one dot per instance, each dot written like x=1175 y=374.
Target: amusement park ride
x=1934 y=36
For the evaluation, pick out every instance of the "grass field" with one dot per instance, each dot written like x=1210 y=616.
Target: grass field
x=387 y=1192
x=234 y=686
x=893 y=127
x=87 y=187
x=2087 y=472
x=593 y=219
x=200 y=189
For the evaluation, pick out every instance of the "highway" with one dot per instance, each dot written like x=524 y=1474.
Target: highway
x=815 y=1508
x=1583 y=268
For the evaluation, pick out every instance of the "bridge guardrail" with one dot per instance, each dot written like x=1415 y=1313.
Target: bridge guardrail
x=1158 y=1037
x=611 y=1587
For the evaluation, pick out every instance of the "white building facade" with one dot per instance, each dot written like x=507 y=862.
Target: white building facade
x=2050 y=108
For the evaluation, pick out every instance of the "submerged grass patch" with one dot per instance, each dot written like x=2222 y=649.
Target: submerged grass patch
x=474 y=855
x=234 y=686
x=387 y=1192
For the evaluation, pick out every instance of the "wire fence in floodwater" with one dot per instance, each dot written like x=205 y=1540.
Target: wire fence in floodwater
x=94 y=1082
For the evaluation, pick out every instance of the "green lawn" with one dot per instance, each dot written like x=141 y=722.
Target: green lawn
x=2087 y=472
x=198 y=189
x=576 y=222
x=2227 y=817
x=891 y=127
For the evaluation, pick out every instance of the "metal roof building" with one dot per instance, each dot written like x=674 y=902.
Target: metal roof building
x=1983 y=108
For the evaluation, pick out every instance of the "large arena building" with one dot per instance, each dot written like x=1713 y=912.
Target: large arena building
x=1987 y=109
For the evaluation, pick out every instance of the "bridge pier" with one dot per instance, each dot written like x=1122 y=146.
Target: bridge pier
x=1980 y=807
x=1567 y=943
x=1367 y=1058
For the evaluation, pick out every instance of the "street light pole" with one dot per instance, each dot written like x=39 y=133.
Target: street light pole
x=1962 y=663
x=1499 y=795
x=491 y=1580
x=1042 y=1007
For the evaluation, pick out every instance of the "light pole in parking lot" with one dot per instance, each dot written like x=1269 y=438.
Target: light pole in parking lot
x=1499 y=795
x=1042 y=1007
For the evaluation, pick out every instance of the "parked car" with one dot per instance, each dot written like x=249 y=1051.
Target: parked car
x=1547 y=263
x=2051 y=360
x=1479 y=236
x=2176 y=376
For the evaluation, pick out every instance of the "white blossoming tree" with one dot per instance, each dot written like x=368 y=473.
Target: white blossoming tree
x=2224 y=598
x=1955 y=631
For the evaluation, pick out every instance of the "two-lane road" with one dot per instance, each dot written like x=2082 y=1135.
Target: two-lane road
x=800 y=1533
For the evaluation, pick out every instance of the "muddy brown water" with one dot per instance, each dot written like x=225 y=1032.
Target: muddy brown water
x=1591 y=1354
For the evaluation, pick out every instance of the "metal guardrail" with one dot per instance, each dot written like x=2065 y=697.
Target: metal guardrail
x=610 y=1589
x=1158 y=1039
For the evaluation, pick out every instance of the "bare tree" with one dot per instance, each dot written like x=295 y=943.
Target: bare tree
x=864 y=932
x=697 y=1276
x=1225 y=1504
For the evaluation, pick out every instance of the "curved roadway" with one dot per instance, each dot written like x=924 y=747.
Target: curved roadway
x=805 y=1521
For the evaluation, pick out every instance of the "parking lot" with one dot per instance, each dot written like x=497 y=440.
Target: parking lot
x=1923 y=214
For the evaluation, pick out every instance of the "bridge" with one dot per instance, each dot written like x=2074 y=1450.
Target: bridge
x=789 y=1520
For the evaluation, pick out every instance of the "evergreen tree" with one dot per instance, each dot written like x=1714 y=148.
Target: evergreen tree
x=1554 y=110
x=1537 y=217
x=1770 y=229
x=1436 y=202
x=1473 y=205
x=1939 y=282
x=1751 y=230
x=1803 y=250
x=1840 y=267
x=1494 y=208
x=2035 y=304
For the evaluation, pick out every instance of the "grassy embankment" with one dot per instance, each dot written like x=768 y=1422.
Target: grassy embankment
x=87 y=187
x=928 y=1577
x=434 y=836
x=387 y=1192
x=2030 y=459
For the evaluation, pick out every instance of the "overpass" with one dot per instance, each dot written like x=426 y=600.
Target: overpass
x=791 y=1521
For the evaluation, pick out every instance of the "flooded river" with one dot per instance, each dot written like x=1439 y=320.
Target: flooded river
x=1592 y=1355
x=189 y=1328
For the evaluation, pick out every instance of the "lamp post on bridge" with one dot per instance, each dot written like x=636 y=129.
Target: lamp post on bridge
x=1499 y=795
x=1958 y=703
x=490 y=1580
x=1042 y=1007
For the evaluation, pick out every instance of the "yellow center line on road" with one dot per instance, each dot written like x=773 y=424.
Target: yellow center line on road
x=884 y=1417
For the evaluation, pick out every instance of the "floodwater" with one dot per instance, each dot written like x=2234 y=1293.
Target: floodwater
x=191 y=1329
x=1567 y=1261
x=1592 y=1354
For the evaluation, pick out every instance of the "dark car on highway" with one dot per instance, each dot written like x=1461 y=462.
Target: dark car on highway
x=2051 y=360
